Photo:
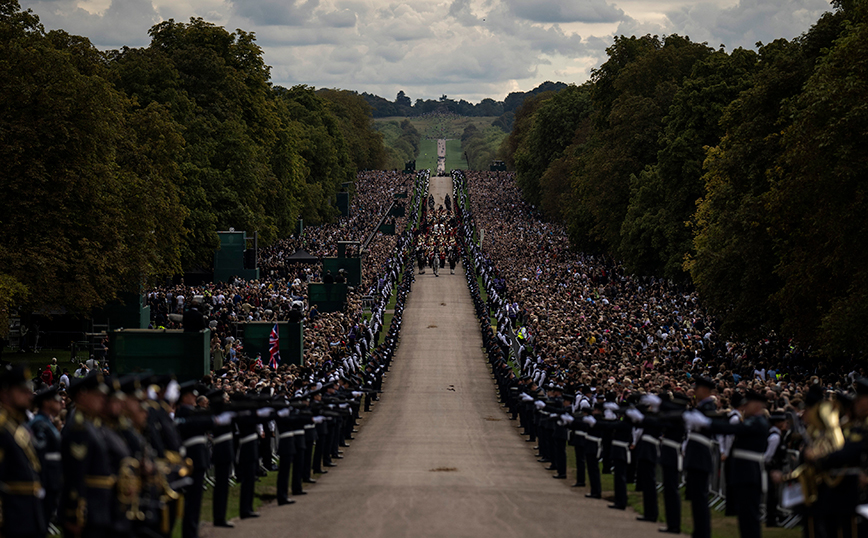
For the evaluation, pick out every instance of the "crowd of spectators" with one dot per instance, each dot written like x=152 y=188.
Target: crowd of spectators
x=281 y=294
x=587 y=321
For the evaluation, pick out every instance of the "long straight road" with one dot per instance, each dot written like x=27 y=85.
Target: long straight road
x=438 y=456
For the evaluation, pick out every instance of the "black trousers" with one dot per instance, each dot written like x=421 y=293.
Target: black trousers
x=747 y=498
x=771 y=504
x=594 y=472
x=580 y=464
x=671 y=497
x=298 y=471
x=248 y=488
x=193 y=505
x=619 y=476
x=646 y=479
x=283 y=472
x=221 y=492
x=559 y=455
x=697 y=494
x=318 y=453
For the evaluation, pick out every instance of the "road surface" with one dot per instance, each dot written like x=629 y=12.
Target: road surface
x=438 y=456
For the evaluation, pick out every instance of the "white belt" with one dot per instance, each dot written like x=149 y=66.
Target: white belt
x=299 y=432
x=580 y=433
x=625 y=445
x=248 y=438
x=756 y=457
x=677 y=447
x=223 y=438
x=198 y=440
x=699 y=438
x=597 y=440
x=52 y=456
x=648 y=439
x=309 y=426
x=284 y=435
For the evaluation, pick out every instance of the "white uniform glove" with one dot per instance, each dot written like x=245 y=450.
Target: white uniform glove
x=566 y=418
x=357 y=394
x=283 y=413
x=264 y=412
x=224 y=419
x=635 y=415
x=526 y=397
x=695 y=420
x=539 y=404
x=589 y=420
x=318 y=420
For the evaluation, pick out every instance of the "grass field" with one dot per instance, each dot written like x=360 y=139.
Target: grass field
x=434 y=127
x=428 y=156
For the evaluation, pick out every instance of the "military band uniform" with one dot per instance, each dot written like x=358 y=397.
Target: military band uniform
x=46 y=441
x=20 y=488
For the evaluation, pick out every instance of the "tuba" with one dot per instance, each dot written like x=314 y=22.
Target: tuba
x=823 y=436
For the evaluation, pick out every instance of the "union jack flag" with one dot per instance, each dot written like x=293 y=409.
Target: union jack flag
x=274 y=347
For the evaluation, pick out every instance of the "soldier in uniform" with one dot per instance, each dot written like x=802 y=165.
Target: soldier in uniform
x=647 y=454
x=577 y=437
x=775 y=455
x=88 y=479
x=749 y=480
x=46 y=441
x=222 y=456
x=193 y=426
x=697 y=461
x=21 y=492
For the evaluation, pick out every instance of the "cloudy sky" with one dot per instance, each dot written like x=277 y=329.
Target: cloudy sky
x=468 y=49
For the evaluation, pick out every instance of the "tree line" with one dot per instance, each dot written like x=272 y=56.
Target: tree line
x=119 y=167
x=742 y=174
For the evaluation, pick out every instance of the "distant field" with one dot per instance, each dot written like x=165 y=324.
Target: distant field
x=428 y=155
x=432 y=127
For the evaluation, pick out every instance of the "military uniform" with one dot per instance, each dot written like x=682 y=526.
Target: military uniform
x=21 y=491
x=88 y=478
x=698 y=465
x=46 y=441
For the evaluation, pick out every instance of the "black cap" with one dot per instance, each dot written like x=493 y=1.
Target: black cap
x=861 y=386
x=15 y=375
x=189 y=387
x=705 y=382
x=569 y=397
x=92 y=381
x=51 y=393
x=131 y=385
x=737 y=400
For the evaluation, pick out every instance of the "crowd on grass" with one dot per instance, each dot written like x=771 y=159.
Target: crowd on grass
x=281 y=292
x=588 y=321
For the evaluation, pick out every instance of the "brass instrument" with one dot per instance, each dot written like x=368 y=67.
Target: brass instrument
x=823 y=436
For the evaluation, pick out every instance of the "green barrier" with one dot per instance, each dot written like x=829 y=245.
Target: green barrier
x=229 y=260
x=257 y=340
x=187 y=355
x=127 y=312
x=387 y=229
x=327 y=297
x=343 y=203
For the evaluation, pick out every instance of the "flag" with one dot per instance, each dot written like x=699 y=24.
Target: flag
x=274 y=347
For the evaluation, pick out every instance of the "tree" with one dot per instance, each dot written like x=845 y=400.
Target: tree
x=92 y=209
x=818 y=200
x=655 y=237
x=364 y=142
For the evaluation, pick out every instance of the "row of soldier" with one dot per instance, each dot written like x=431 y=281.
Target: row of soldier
x=692 y=440
x=133 y=455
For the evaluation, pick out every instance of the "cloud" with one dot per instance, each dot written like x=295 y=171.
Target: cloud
x=747 y=22
x=468 y=49
x=551 y=11
x=276 y=12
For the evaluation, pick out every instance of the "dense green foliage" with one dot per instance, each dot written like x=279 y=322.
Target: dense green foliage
x=481 y=145
x=402 y=141
x=120 y=167
x=743 y=173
